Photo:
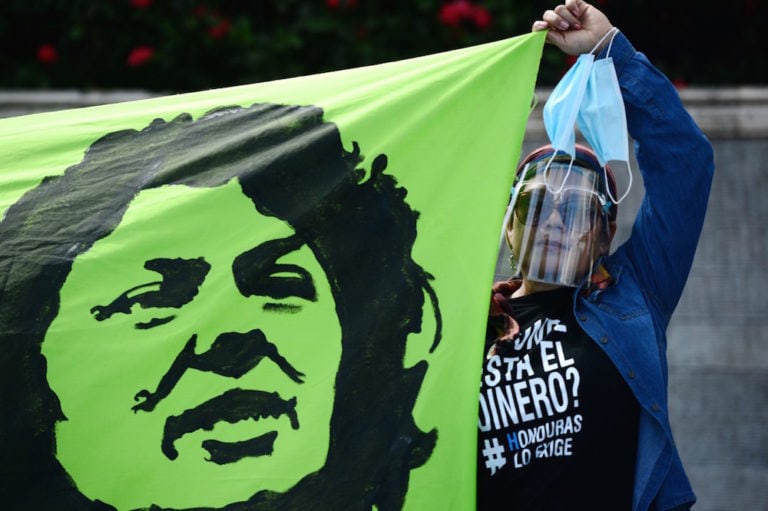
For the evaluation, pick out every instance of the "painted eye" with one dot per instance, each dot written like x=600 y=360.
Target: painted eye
x=257 y=272
x=285 y=281
x=181 y=280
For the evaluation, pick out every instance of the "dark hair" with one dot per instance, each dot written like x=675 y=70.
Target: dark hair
x=585 y=158
x=359 y=227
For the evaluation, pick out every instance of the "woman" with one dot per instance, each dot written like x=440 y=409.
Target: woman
x=573 y=404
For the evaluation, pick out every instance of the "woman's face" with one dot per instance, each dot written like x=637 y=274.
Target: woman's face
x=557 y=228
x=181 y=358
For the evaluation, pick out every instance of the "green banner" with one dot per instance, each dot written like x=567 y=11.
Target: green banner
x=262 y=297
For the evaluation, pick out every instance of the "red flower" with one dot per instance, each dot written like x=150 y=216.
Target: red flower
x=482 y=17
x=141 y=4
x=457 y=11
x=452 y=13
x=335 y=4
x=139 y=56
x=46 y=54
x=220 y=29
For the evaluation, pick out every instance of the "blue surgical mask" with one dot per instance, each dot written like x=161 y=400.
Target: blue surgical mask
x=590 y=95
x=602 y=118
x=562 y=107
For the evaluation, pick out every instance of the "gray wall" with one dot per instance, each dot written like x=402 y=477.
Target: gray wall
x=717 y=351
x=717 y=339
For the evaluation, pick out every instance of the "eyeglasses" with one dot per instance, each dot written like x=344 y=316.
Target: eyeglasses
x=575 y=206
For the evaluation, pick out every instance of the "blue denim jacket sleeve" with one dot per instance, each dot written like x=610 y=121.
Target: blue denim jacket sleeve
x=629 y=319
x=677 y=165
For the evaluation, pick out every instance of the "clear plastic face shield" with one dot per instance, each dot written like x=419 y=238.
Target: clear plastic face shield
x=557 y=223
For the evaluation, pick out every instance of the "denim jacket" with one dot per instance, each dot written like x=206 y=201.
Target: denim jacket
x=628 y=319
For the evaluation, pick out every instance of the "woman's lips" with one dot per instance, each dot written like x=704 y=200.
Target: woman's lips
x=548 y=244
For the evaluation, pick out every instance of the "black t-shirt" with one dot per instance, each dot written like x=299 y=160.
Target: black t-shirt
x=558 y=424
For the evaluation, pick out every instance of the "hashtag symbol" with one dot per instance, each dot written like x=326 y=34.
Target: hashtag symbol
x=494 y=455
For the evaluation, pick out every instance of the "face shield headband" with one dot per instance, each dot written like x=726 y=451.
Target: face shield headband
x=556 y=222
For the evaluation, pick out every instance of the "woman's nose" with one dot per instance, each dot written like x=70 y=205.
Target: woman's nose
x=555 y=217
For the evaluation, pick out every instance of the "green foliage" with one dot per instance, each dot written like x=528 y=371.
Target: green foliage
x=185 y=45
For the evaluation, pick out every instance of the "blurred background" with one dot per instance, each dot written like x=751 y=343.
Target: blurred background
x=187 y=45
x=67 y=54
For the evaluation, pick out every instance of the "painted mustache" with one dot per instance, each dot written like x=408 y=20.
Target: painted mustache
x=232 y=406
x=231 y=355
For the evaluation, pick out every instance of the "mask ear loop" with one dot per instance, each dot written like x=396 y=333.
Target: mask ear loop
x=608 y=188
x=612 y=33
x=559 y=190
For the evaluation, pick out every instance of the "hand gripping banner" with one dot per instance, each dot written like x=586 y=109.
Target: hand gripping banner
x=262 y=297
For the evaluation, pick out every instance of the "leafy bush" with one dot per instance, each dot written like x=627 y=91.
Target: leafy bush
x=184 y=45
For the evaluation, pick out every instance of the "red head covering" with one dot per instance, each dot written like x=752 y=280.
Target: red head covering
x=585 y=158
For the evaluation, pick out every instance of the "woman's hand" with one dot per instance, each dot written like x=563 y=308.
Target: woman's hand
x=575 y=27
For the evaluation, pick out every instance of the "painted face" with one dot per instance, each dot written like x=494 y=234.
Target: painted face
x=195 y=366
